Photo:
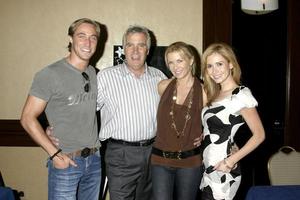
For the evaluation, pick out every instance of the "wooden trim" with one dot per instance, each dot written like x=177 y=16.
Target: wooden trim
x=292 y=128
x=217 y=21
x=13 y=134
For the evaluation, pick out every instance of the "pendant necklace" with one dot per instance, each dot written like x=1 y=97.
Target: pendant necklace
x=187 y=115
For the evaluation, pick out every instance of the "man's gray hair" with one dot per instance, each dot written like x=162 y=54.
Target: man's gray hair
x=137 y=29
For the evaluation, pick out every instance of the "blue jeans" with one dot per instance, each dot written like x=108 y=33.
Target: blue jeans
x=181 y=182
x=81 y=182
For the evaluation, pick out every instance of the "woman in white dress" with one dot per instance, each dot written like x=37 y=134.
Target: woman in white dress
x=227 y=106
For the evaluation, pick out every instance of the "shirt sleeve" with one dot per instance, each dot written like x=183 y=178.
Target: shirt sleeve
x=243 y=99
x=43 y=85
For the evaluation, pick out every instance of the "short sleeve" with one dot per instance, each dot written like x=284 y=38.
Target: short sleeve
x=242 y=98
x=42 y=85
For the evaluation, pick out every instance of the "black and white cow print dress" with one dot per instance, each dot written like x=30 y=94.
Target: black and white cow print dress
x=221 y=121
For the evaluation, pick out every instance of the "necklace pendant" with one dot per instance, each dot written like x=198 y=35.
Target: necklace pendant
x=171 y=113
x=173 y=125
x=187 y=117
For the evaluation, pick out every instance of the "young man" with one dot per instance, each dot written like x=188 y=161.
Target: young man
x=67 y=91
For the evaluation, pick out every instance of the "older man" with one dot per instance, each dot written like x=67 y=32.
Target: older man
x=128 y=99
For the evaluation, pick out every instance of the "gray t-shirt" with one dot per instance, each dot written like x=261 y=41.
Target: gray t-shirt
x=70 y=110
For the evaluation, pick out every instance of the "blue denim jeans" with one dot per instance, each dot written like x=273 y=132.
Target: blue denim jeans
x=181 y=182
x=81 y=182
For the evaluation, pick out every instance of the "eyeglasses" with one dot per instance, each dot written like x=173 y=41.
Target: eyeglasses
x=87 y=84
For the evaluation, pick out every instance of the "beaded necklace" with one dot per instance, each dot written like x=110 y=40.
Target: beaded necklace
x=187 y=115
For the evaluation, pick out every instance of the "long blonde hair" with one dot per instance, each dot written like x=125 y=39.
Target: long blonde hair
x=211 y=88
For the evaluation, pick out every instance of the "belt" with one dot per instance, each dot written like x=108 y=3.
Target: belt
x=138 y=143
x=83 y=152
x=176 y=154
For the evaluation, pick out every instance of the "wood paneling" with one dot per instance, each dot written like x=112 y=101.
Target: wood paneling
x=217 y=21
x=13 y=134
x=292 y=129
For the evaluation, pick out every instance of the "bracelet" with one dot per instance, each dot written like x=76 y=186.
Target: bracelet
x=226 y=164
x=58 y=151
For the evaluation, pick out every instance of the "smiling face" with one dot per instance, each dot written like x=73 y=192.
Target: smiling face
x=179 y=64
x=84 y=42
x=136 y=52
x=218 y=68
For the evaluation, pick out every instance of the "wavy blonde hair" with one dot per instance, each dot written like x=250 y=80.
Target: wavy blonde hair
x=183 y=49
x=212 y=88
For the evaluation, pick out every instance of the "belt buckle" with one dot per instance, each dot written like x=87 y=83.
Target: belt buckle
x=179 y=155
x=85 y=152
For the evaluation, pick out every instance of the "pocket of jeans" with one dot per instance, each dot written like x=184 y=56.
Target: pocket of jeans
x=97 y=153
x=51 y=165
